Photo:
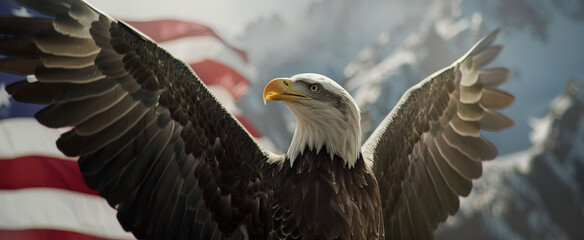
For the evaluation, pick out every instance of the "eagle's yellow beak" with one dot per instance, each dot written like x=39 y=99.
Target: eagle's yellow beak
x=279 y=90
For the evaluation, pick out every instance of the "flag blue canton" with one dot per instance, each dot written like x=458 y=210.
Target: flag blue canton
x=9 y=8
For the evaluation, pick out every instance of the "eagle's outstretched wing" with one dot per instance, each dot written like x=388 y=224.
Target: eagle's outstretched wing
x=151 y=138
x=429 y=148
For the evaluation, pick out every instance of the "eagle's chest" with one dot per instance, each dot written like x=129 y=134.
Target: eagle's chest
x=321 y=198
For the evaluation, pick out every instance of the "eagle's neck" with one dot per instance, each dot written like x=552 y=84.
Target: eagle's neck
x=334 y=130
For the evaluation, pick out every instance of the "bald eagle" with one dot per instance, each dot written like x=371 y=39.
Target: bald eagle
x=175 y=164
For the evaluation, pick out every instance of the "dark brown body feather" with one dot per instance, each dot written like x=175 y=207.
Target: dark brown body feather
x=320 y=198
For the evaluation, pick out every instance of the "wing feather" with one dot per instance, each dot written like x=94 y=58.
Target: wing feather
x=459 y=162
x=496 y=99
x=52 y=42
x=23 y=26
x=436 y=211
x=52 y=61
x=68 y=26
x=120 y=147
x=457 y=182
x=484 y=57
x=151 y=138
x=431 y=146
x=493 y=77
x=465 y=128
x=21 y=46
x=405 y=230
x=20 y=66
x=420 y=227
x=469 y=112
x=445 y=193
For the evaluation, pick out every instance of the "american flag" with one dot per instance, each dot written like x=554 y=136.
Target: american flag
x=42 y=193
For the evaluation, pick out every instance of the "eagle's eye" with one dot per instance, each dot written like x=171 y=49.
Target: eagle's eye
x=314 y=87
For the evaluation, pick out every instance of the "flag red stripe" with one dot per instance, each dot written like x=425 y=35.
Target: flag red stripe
x=215 y=73
x=167 y=30
x=43 y=172
x=40 y=234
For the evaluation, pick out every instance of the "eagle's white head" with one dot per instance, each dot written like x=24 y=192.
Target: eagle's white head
x=326 y=115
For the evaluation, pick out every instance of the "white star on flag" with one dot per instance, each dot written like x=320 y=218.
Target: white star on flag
x=21 y=12
x=4 y=96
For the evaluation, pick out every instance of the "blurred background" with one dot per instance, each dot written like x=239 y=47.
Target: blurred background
x=378 y=49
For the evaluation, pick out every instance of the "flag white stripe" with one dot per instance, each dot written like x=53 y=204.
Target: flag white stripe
x=196 y=49
x=49 y=208
x=27 y=137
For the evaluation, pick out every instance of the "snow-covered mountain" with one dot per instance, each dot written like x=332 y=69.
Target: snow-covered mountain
x=537 y=193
